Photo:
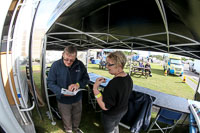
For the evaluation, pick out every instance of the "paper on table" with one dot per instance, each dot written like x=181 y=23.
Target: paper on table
x=71 y=93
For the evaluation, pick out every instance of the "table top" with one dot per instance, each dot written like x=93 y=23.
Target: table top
x=162 y=99
x=138 y=67
x=165 y=100
x=94 y=76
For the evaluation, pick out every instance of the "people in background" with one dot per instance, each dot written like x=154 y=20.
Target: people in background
x=114 y=99
x=69 y=73
x=141 y=64
x=147 y=65
x=102 y=63
x=151 y=60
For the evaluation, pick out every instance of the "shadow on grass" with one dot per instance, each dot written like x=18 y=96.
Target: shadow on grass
x=138 y=76
x=153 y=71
x=179 y=128
x=157 y=71
x=40 y=129
x=180 y=82
x=91 y=120
x=45 y=126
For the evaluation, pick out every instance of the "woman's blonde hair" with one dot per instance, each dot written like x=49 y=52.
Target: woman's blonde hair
x=118 y=57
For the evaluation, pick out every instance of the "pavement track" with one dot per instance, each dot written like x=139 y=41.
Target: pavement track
x=191 y=75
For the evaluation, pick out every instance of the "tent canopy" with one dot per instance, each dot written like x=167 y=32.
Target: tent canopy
x=170 y=26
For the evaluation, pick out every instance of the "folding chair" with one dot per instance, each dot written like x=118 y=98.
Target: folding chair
x=92 y=100
x=168 y=117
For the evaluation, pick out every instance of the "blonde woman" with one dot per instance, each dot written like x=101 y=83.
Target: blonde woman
x=114 y=100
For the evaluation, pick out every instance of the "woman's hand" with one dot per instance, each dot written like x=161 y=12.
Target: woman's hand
x=98 y=82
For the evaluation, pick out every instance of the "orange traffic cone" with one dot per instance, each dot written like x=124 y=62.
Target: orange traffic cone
x=184 y=79
x=165 y=73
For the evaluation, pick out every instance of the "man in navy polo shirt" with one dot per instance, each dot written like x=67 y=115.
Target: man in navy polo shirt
x=69 y=73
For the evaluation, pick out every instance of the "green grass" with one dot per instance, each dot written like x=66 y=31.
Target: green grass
x=36 y=67
x=91 y=123
x=168 y=84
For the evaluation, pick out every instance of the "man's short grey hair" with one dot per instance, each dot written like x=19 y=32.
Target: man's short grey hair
x=118 y=57
x=70 y=49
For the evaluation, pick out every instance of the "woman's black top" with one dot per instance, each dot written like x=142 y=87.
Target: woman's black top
x=116 y=95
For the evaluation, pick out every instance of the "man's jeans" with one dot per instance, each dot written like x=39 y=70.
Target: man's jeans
x=71 y=115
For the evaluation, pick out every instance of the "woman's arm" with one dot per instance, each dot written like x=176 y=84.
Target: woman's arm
x=98 y=94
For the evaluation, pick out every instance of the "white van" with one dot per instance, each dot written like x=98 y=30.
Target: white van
x=196 y=67
x=173 y=65
x=191 y=66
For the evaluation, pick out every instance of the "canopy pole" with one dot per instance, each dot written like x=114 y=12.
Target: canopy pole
x=108 y=30
x=87 y=59
x=82 y=23
x=164 y=17
x=44 y=79
x=63 y=41
x=71 y=28
x=131 y=59
x=198 y=87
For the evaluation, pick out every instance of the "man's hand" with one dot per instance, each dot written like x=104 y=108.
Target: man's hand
x=73 y=87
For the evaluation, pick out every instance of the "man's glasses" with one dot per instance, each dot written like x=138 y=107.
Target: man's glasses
x=108 y=64
x=66 y=60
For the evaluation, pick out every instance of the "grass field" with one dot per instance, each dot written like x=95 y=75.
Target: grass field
x=90 y=122
x=168 y=84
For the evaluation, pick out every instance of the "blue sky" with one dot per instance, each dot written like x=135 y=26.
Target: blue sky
x=44 y=11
